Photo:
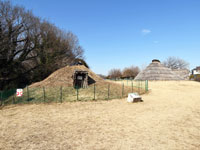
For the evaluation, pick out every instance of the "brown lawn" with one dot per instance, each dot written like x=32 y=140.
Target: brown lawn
x=169 y=118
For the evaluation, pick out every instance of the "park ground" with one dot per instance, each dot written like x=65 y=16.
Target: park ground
x=169 y=118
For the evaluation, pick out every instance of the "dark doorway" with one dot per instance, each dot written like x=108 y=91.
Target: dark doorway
x=81 y=79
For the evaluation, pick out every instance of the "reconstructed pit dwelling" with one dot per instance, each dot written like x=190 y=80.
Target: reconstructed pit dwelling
x=77 y=76
x=157 y=71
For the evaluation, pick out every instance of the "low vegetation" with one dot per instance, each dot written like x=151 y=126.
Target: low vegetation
x=195 y=77
x=100 y=91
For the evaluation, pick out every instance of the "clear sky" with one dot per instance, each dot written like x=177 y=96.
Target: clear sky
x=121 y=33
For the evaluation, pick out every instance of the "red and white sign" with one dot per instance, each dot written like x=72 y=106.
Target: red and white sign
x=19 y=92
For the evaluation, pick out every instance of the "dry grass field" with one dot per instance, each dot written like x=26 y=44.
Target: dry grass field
x=169 y=118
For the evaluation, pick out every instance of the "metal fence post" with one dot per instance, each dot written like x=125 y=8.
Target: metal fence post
x=94 y=91
x=108 y=91
x=1 y=98
x=77 y=93
x=14 y=97
x=122 y=89
x=139 y=86
x=61 y=94
x=146 y=85
x=44 y=94
x=27 y=93
x=132 y=86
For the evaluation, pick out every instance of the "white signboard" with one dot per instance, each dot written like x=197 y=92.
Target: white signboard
x=19 y=92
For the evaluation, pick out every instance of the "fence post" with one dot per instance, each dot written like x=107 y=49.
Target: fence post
x=132 y=86
x=77 y=93
x=146 y=85
x=122 y=89
x=14 y=97
x=94 y=91
x=108 y=91
x=139 y=86
x=27 y=93
x=44 y=93
x=1 y=98
x=61 y=94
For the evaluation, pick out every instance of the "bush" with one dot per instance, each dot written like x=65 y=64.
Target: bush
x=197 y=77
x=191 y=77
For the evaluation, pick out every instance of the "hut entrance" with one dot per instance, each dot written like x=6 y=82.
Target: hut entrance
x=81 y=79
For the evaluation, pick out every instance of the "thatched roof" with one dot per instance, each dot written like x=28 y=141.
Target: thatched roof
x=157 y=71
x=64 y=77
x=184 y=73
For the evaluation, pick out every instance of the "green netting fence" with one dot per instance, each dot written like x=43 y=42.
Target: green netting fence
x=70 y=94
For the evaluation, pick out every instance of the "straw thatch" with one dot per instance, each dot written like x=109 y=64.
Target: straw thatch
x=157 y=71
x=184 y=73
x=64 y=77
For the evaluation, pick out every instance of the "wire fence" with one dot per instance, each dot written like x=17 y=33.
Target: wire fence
x=108 y=91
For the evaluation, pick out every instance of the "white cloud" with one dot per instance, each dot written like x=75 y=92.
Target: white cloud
x=145 y=31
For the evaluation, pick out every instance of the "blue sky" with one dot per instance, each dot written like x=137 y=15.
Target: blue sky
x=121 y=33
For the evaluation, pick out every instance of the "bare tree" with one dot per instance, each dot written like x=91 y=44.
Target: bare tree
x=176 y=63
x=32 y=48
x=115 y=73
x=16 y=30
x=130 y=72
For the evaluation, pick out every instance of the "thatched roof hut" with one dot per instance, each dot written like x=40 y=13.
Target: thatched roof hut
x=157 y=71
x=70 y=76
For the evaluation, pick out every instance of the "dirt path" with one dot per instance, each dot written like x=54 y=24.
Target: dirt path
x=169 y=118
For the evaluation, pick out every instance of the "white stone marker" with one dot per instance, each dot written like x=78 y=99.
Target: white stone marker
x=134 y=97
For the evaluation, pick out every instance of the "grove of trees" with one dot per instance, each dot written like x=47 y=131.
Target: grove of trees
x=128 y=72
x=114 y=74
x=32 y=48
